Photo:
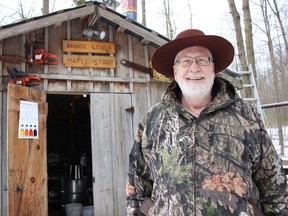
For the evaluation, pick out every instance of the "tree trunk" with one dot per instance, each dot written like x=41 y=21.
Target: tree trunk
x=143 y=5
x=274 y=69
x=249 y=36
x=246 y=92
x=168 y=17
x=277 y=14
x=78 y=2
x=191 y=14
x=238 y=33
x=45 y=7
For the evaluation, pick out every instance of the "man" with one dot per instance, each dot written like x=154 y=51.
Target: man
x=202 y=150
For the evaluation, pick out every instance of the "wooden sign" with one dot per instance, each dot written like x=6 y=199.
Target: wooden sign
x=88 y=46
x=89 y=61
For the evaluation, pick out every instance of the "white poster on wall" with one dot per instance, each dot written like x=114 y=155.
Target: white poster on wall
x=28 y=120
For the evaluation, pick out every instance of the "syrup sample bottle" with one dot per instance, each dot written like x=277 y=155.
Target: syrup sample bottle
x=26 y=131
x=31 y=131
x=35 y=131
x=22 y=133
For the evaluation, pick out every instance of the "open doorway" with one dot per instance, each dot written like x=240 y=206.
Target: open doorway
x=68 y=152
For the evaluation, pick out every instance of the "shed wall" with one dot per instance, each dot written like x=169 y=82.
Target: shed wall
x=58 y=79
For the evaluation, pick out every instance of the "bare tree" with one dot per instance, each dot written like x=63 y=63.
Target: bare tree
x=143 y=9
x=170 y=30
x=277 y=14
x=249 y=36
x=18 y=13
x=45 y=7
x=191 y=14
x=238 y=33
x=246 y=92
x=79 y=2
x=264 y=10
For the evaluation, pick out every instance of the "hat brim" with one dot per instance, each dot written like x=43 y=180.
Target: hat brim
x=221 y=49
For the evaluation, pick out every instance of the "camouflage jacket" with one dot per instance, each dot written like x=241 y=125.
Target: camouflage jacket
x=221 y=163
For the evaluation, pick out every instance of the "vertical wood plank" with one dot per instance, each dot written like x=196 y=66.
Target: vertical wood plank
x=112 y=135
x=4 y=156
x=27 y=158
x=1 y=129
x=100 y=105
x=111 y=70
x=121 y=148
x=69 y=69
x=140 y=102
x=46 y=46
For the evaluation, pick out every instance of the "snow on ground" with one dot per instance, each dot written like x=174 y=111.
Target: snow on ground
x=273 y=132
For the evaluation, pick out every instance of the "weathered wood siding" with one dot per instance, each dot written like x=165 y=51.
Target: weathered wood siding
x=112 y=139
x=27 y=158
x=119 y=97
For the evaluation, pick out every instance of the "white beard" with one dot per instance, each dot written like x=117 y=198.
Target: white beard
x=197 y=91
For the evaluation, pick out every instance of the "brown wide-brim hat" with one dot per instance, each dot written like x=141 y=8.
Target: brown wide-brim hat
x=221 y=49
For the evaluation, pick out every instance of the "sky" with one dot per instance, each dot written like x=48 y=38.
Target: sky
x=207 y=14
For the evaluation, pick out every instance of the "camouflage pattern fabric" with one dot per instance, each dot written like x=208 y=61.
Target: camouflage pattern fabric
x=221 y=163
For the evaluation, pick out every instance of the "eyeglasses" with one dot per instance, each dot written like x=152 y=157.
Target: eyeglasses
x=187 y=61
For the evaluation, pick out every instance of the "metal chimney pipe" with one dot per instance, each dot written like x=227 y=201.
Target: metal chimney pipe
x=129 y=8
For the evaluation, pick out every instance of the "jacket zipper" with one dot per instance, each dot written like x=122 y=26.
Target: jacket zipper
x=193 y=165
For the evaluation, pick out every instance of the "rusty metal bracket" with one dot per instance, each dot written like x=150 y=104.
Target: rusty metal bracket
x=137 y=66
x=130 y=109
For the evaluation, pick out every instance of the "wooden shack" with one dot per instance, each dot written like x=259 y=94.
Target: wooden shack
x=94 y=89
